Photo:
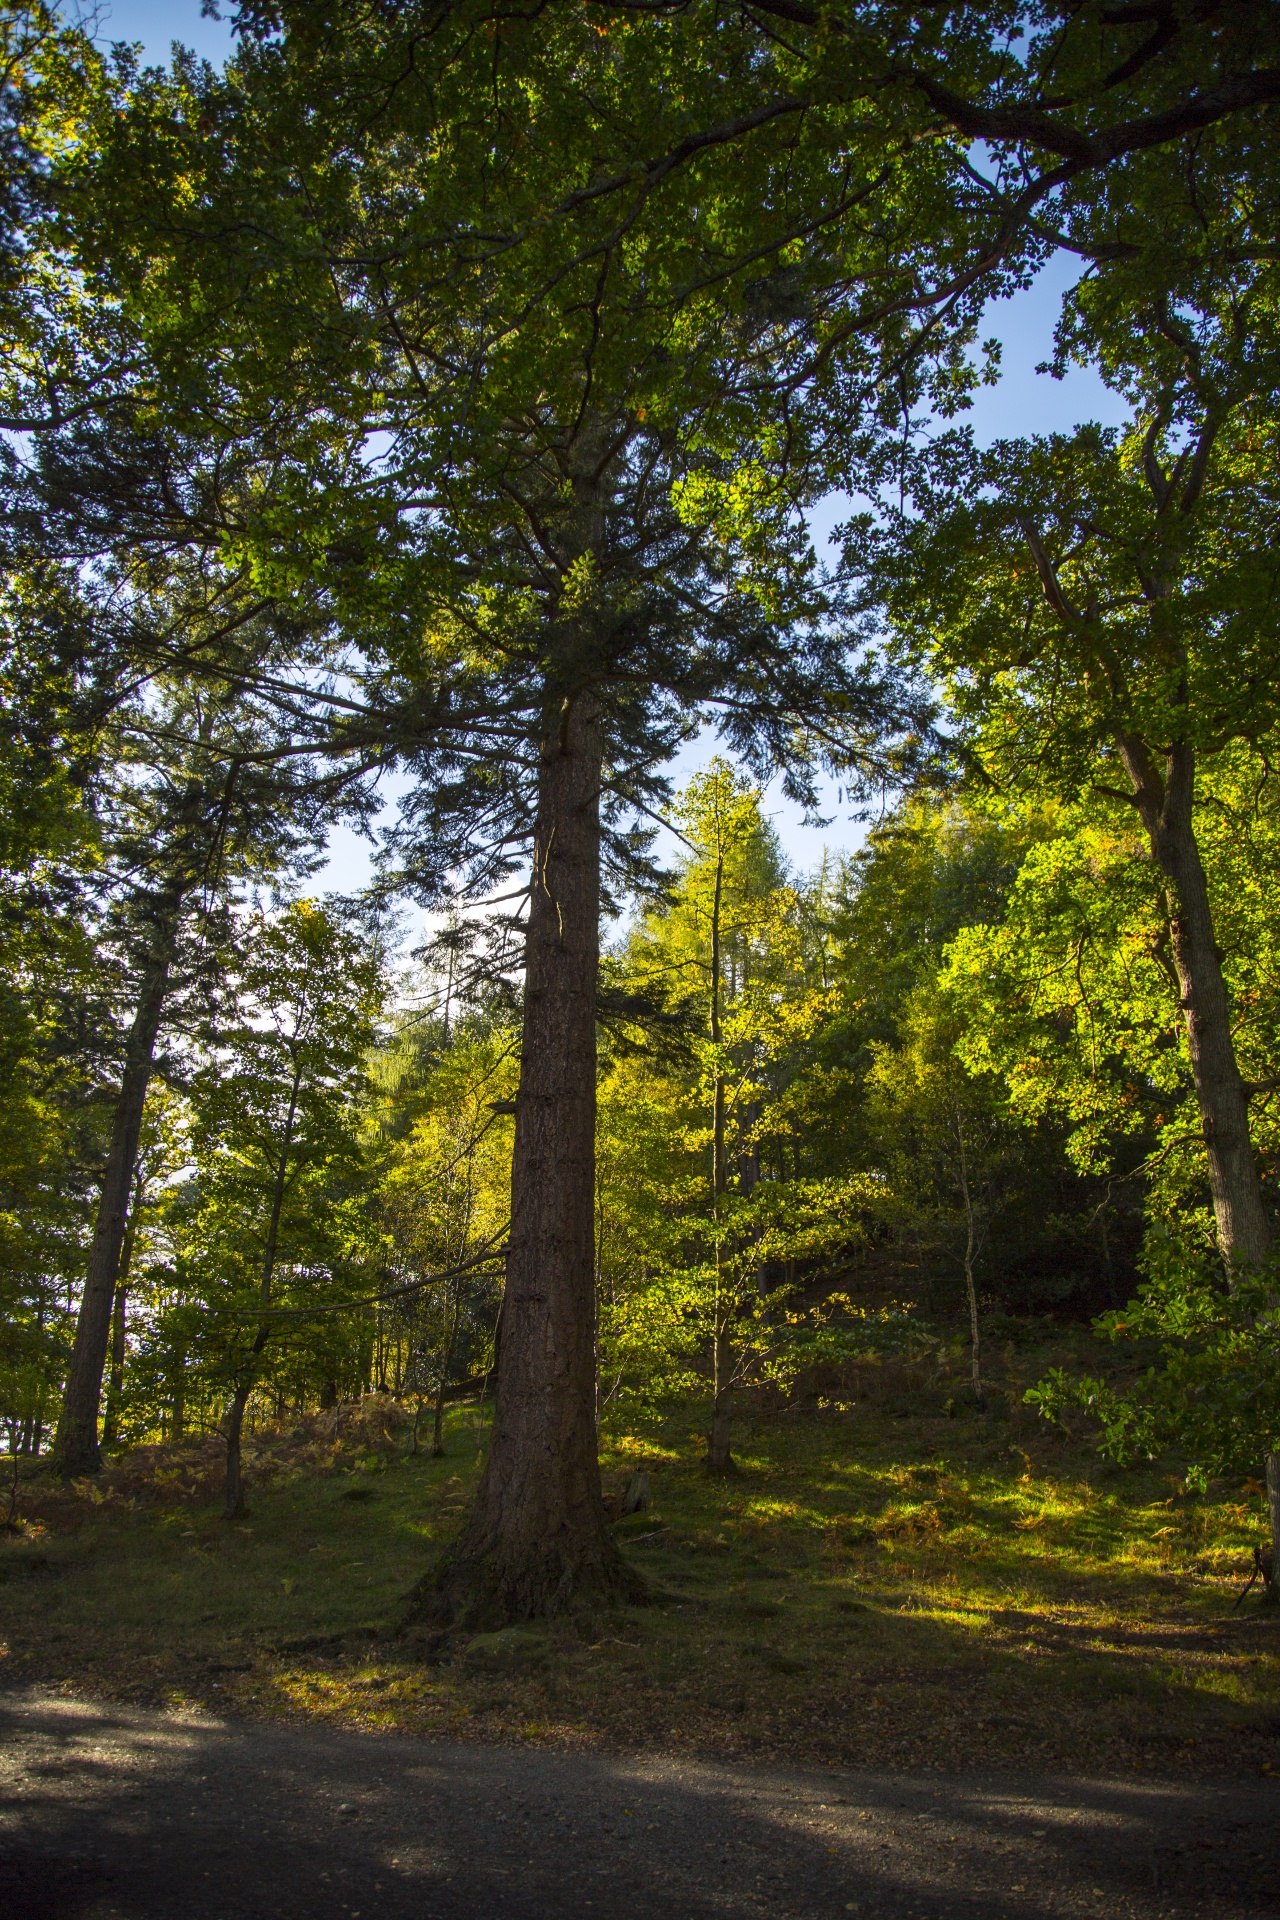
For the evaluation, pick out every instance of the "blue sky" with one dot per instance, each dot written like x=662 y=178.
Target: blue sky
x=1023 y=402
x=157 y=26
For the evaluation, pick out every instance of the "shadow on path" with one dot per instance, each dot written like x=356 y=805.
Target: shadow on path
x=112 y=1813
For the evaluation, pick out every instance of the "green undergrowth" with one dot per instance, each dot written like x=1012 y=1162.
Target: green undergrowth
x=867 y=1588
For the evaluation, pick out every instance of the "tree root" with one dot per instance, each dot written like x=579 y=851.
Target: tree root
x=480 y=1592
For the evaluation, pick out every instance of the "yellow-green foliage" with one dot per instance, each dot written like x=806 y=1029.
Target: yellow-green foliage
x=444 y=1202
x=1073 y=997
x=447 y=1186
x=681 y=1257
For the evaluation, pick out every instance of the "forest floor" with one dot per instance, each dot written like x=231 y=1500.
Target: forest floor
x=875 y=1586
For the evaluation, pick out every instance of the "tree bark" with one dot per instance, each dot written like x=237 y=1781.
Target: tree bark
x=233 y=1484
x=1165 y=806
x=115 y=1384
x=450 y=1340
x=1273 y=1508
x=719 y=1457
x=535 y=1541
x=233 y=1488
x=970 y=1248
x=119 y=1311
x=75 y=1447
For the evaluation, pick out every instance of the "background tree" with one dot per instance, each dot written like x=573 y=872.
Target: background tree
x=162 y=1147
x=701 y=1228
x=568 y=621
x=279 y=1166
x=470 y=415
x=198 y=801
x=1073 y=1000
x=1101 y=603
x=947 y=1146
x=1210 y=1389
x=932 y=874
x=445 y=1197
x=51 y=984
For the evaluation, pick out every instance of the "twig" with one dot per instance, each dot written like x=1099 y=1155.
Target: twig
x=366 y=1300
x=1257 y=1569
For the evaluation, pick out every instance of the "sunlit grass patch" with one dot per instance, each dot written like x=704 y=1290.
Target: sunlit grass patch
x=762 y=1511
x=872 y=1591
x=622 y=1449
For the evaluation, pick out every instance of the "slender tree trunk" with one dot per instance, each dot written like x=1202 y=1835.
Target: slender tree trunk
x=75 y=1447
x=178 y=1403
x=1165 y=806
x=1244 y=1227
x=970 y=1249
x=448 y=991
x=595 y=1297
x=1107 y=1267
x=1165 y=803
x=450 y=1340
x=115 y=1384
x=535 y=1539
x=233 y=1489
x=1273 y=1509
x=927 y=1283
x=719 y=1457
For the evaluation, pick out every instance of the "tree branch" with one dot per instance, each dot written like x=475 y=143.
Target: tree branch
x=1045 y=568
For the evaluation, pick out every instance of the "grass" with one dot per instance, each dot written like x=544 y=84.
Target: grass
x=868 y=1590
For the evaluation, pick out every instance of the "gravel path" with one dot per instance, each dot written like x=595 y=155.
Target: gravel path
x=112 y=1813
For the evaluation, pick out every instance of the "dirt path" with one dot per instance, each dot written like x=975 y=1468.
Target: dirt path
x=119 y=1814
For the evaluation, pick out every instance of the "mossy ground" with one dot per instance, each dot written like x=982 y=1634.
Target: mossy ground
x=867 y=1589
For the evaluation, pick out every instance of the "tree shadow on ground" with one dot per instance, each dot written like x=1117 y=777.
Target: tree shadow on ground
x=133 y=1815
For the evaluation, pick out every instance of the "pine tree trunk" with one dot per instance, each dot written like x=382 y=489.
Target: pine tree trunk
x=1165 y=806
x=75 y=1448
x=535 y=1541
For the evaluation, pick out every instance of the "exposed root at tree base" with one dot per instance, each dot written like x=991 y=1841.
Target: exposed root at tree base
x=480 y=1593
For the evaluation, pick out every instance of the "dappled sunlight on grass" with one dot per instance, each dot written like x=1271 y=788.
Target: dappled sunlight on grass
x=924 y=1592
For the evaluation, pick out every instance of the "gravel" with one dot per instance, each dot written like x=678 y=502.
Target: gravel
x=117 y=1813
